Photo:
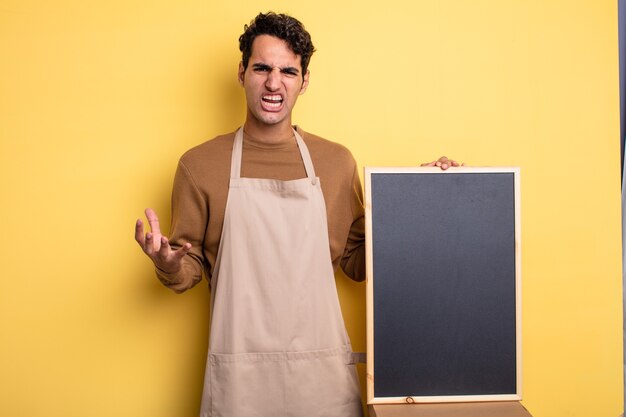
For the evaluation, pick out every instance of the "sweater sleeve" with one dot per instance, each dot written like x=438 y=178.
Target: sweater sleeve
x=353 y=260
x=190 y=216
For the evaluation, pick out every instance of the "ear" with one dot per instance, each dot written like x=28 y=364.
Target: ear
x=240 y=73
x=305 y=82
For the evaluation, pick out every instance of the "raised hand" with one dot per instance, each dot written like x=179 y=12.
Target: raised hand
x=157 y=246
x=443 y=163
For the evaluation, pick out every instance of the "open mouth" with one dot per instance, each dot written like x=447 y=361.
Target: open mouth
x=273 y=101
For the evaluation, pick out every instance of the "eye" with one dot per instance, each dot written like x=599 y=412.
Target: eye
x=290 y=72
x=261 y=68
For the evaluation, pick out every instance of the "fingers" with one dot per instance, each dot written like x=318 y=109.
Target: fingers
x=165 y=252
x=139 y=237
x=157 y=246
x=169 y=260
x=182 y=251
x=445 y=163
x=165 y=249
x=153 y=220
x=145 y=241
x=149 y=246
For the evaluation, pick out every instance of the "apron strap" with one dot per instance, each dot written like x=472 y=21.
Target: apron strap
x=235 y=162
x=306 y=158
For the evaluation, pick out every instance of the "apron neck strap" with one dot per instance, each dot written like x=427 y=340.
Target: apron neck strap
x=235 y=163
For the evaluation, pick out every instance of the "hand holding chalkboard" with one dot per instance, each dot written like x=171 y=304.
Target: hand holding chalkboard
x=443 y=163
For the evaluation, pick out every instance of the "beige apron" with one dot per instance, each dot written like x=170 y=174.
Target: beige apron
x=278 y=345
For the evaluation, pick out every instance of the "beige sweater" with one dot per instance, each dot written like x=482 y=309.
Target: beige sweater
x=201 y=189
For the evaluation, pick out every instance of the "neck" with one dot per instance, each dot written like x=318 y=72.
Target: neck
x=270 y=134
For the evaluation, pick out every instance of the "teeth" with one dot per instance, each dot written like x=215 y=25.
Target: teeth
x=273 y=98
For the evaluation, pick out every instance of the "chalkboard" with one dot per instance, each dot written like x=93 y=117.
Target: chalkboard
x=443 y=263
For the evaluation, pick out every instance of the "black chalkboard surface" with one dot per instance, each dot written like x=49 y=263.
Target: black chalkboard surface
x=443 y=284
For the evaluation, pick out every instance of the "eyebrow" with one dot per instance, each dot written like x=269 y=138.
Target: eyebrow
x=290 y=70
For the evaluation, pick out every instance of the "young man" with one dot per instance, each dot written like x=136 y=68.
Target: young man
x=269 y=212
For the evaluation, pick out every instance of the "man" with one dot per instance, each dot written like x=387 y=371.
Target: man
x=269 y=213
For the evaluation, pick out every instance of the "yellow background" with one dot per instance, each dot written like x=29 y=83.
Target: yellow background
x=98 y=99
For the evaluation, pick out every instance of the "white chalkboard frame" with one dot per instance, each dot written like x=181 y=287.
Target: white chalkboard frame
x=371 y=354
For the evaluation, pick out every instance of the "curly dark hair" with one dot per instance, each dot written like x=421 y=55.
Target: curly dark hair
x=282 y=26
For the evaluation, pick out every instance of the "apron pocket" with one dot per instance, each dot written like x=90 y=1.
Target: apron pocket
x=285 y=384
x=325 y=384
x=249 y=384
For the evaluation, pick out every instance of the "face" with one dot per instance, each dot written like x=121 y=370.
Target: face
x=273 y=81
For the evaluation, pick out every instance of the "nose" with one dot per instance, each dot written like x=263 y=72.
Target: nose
x=272 y=83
